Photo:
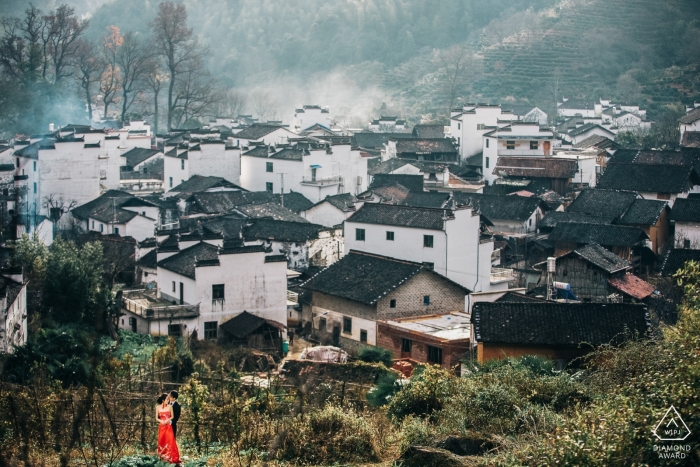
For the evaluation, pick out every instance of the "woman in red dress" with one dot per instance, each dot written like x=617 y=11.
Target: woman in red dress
x=167 y=447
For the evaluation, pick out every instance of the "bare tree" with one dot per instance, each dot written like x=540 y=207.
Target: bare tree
x=196 y=93
x=64 y=29
x=232 y=104
x=155 y=78
x=262 y=104
x=135 y=61
x=456 y=65
x=110 y=79
x=90 y=67
x=22 y=46
x=178 y=46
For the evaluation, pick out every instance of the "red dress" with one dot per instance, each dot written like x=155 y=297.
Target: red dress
x=167 y=447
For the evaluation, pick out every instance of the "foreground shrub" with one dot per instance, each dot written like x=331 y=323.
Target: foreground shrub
x=431 y=387
x=376 y=355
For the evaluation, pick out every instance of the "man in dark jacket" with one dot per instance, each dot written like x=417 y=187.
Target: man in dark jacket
x=176 y=411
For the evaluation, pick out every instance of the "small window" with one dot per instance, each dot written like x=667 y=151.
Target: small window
x=426 y=300
x=182 y=164
x=322 y=324
x=174 y=286
x=392 y=303
x=363 y=335
x=210 y=329
x=510 y=144
x=217 y=291
x=480 y=126
x=428 y=241
x=171 y=182
x=390 y=236
x=34 y=166
x=18 y=162
x=686 y=243
x=102 y=228
x=34 y=187
x=268 y=187
x=115 y=231
x=269 y=167
x=360 y=235
x=313 y=175
x=175 y=330
x=347 y=325
x=529 y=222
x=93 y=225
x=486 y=161
x=459 y=126
x=487 y=143
x=534 y=145
x=430 y=266
x=406 y=345
x=434 y=355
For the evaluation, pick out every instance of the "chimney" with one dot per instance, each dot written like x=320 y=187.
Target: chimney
x=51 y=127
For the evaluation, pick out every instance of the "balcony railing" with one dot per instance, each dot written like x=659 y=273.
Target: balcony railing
x=147 y=305
x=501 y=275
x=317 y=181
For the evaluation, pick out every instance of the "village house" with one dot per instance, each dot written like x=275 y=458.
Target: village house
x=310 y=115
x=676 y=259
x=201 y=184
x=437 y=339
x=429 y=131
x=263 y=133
x=625 y=242
x=585 y=131
x=332 y=210
x=528 y=113
x=554 y=174
x=417 y=149
x=685 y=217
x=595 y=274
x=652 y=216
x=469 y=124
x=204 y=157
x=651 y=181
x=202 y=286
x=13 y=307
x=447 y=240
x=386 y=124
x=576 y=107
x=437 y=176
x=374 y=144
x=562 y=332
x=352 y=295
x=511 y=214
x=690 y=124
x=516 y=139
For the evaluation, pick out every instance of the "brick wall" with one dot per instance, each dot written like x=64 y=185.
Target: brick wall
x=390 y=338
x=343 y=306
x=444 y=297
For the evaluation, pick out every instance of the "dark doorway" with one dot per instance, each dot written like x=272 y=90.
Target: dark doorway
x=336 y=335
x=182 y=294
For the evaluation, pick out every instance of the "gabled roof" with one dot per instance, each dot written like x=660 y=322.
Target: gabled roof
x=557 y=324
x=344 y=201
x=686 y=210
x=107 y=208
x=198 y=183
x=228 y=227
x=137 y=155
x=552 y=218
x=282 y=231
x=690 y=117
x=632 y=285
x=597 y=141
x=650 y=156
x=366 y=278
x=412 y=182
x=603 y=203
x=184 y=262
x=388 y=166
x=514 y=297
x=391 y=194
x=501 y=206
x=427 y=200
x=270 y=210
x=9 y=289
x=675 y=259
x=599 y=256
x=648 y=178
x=294 y=201
x=215 y=202
x=643 y=212
x=691 y=139
x=244 y=324
x=535 y=167
x=588 y=127
x=429 y=131
x=257 y=131
x=424 y=146
x=371 y=140
x=401 y=216
x=604 y=234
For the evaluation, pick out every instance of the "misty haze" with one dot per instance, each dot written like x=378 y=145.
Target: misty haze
x=382 y=233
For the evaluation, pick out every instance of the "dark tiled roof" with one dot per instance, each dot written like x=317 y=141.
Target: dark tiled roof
x=535 y=167
x=604 y=259
x=198 y=183
x=577 y=104
x=344 y=201
x=106 y=208
x=676 y=259
x=557 y=323
x=424 y=146
x=392 y=194
x=632 y=285
x=429 y=131
x=427 y=200
x=690 y=117
x=587 y=127
x=691 y=139
x=256 y=131
x=9 y=290
x=501 y=206
x=651 y=156
x=371 y=140
x=401 y=216
x=183 y=263
x=597 y=141
x=412 y=182
x=604 y=234
x=686 y=210
x=271 y=210
x=388 y=166
x=514 y=297
x=295 y=202
x=137 y=155
x=605 y=203
x=648 y=177
x=643 y=212
x=149 y=260
x=552 y=218
x=281 y=231
x=364 y=277
x=476 y=160
x=217 y=202
x=228 y=227
x=244 y=324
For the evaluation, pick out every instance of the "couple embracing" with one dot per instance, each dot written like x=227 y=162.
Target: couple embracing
x=167 y=414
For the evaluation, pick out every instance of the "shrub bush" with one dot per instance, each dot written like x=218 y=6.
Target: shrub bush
x=376 y=355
